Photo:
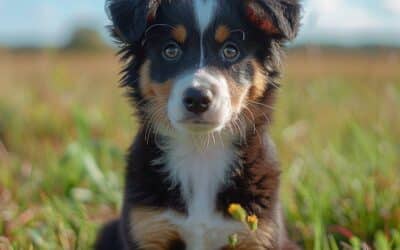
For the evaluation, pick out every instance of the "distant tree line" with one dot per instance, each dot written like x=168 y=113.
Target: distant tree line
x=86 y=39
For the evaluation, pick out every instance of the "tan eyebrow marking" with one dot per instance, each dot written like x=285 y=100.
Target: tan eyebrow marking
x=179 y=33
x=222 y=33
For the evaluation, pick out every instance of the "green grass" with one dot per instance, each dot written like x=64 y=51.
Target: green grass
x=64 y=128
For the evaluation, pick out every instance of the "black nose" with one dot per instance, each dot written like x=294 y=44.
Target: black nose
x=197 y=100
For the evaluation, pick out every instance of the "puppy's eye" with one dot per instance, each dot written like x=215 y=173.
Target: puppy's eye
x=171 y=52
x=230 y=52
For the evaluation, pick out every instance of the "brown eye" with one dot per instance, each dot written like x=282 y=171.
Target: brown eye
x=171 y=52
x=230 y=52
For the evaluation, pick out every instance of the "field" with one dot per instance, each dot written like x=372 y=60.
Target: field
x=65 y=125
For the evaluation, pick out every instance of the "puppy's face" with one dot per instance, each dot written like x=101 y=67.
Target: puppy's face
x=203 y=62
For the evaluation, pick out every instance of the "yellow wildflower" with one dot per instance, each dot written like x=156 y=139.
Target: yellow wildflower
x=252 y=221
x=237 y=212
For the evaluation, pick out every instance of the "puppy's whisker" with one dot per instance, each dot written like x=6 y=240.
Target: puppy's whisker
x=151 y=27
x=250 y=120
x=274 y=84
x=154 y=120
x=239 y=131
x=222 y=140
x=250 y=112
x=213 y=137
x=266 y=117
x=242 y=128
x=260 y=104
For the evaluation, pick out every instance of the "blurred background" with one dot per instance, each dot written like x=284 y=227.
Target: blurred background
x=65 y=125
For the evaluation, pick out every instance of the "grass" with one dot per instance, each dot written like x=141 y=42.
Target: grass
x=64 y=128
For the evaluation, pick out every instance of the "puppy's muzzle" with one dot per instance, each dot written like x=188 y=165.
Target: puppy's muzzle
x=197 y=100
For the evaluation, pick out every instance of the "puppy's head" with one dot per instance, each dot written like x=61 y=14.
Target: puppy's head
x=195 y=66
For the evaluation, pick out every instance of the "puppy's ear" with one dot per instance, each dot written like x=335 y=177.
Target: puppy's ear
x=277 y=18
x=130 y=17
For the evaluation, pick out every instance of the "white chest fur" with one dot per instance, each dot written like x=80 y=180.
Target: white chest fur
x=201 y=171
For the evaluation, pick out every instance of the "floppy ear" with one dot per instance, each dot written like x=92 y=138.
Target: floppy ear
x=130 y=17
x=277 y=18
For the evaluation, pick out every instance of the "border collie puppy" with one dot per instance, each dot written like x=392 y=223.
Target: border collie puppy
x=202 y=75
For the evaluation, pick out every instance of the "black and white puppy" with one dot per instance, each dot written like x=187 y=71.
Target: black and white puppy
x=202 y=75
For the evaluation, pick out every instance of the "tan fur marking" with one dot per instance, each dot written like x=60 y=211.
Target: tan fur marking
x=157 y=94
x=238 y=94
x=145 y=81
x=259 y=84
x=222 y=33
x=151 y=230
x=162 y=90
x=153 y=89
x=179 y=33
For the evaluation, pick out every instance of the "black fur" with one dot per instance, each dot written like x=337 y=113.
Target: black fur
x=147 y=183
x=285 y=14
x=129 y=18
x=110 y=237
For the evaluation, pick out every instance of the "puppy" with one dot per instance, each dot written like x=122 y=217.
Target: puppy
x=202 y=75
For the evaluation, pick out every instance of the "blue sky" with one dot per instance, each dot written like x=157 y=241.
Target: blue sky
x=346 y=22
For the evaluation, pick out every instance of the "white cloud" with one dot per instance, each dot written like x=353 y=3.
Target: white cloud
x=325 y=5
x=348 y=22
x=392 y=6
x=339 y=15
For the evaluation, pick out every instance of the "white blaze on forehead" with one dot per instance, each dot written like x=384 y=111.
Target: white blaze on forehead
x=204 y=10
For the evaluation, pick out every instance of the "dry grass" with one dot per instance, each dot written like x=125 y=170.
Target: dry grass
x=64 y=128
